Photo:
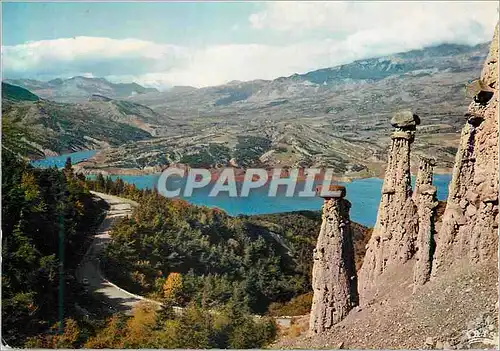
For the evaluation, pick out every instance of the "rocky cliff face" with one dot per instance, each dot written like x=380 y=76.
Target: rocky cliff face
x=470 y=220
x=394 y=235
x=334 y=272
x=406 y=231
x=406 y=222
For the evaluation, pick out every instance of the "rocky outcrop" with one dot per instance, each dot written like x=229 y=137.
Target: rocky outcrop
x=334 y=274
x=394 y=234
x=425 y=199
x=406 y=230
x=470 y=221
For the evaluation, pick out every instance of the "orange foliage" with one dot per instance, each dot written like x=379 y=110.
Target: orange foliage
x=172 y=286
x=66 y=340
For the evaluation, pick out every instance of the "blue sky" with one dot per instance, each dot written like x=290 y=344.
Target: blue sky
x=183 y=23
x=203 y=43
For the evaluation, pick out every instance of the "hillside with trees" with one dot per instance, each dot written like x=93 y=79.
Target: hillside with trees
x=48 y=217
x=171 y=250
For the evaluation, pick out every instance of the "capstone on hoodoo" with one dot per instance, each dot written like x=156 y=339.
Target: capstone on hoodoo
x=334 y=278
x=395 y=231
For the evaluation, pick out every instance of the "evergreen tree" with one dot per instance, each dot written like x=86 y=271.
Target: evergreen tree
x=68 y=168
x=100 y=183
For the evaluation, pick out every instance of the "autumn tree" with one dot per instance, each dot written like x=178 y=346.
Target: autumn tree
x=66 y=340
x=172 y=287
x=111 y=336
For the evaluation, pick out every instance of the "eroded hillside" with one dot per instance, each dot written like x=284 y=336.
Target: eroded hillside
x=331 y=117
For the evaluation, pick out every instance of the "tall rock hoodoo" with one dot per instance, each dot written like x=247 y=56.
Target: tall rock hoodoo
x=470 y=221
x=395 y=232
x=334 y=278
x=405 y=227
x=425 y=199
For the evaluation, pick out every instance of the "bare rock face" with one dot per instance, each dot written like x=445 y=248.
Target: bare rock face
x=334 y=278
x=424 y=175
x=470 y=220
x=425 y=198
x=395 y=232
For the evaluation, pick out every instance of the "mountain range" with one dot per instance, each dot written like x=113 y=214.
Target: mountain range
x=334 y=117
x=450 y=58
x=77 y=89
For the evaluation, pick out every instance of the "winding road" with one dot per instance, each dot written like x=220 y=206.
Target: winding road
x=89 y=271
x=117 y=298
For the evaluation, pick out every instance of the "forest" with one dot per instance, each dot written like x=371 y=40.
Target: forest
x=225 y=271
x=211 y=254
x=48 y=218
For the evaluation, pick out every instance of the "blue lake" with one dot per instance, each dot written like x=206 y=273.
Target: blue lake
x=59 y=161
x=364 y=195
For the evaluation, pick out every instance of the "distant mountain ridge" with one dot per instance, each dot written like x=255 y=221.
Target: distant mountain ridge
x=78 y=89
x=440 y=58
x=382 y=67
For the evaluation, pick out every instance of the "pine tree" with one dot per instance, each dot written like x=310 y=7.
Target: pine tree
x=100 y=182
x=68 y=168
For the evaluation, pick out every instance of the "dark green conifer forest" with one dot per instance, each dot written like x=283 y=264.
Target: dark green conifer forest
x=228 y=273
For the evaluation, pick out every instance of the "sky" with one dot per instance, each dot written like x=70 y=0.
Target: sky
x=163 y=44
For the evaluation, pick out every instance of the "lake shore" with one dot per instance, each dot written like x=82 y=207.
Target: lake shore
x=239 y=173
x=89 y=163
x=363 y=192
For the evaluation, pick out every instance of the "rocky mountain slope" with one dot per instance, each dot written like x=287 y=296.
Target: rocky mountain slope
x=79 y=89
x=458 y=311
x=41 y=127
x=335 y=117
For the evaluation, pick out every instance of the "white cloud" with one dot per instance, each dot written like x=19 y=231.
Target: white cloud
x=161 y=65
x=383 y=19
x=349 y=31
x=90 y=55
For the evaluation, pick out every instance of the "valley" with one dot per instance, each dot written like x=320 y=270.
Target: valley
x=335 y=117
